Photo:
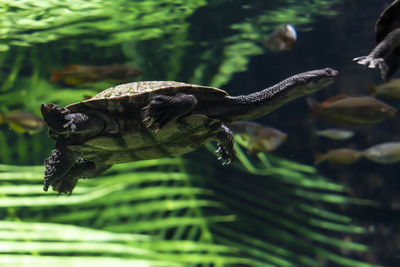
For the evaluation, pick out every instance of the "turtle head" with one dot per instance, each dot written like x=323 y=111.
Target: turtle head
x=315 y=80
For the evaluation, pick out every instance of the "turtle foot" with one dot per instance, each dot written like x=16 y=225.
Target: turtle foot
x=163 y=109
x=81 y=169
x=225 y=145
x=227 y=155
x=57 y=165
x=374 y=63
x=76 y=123
x=370 y=62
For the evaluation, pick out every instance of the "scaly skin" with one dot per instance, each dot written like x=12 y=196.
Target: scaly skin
x=64 y=167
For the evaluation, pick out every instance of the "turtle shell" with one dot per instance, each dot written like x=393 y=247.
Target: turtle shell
x=124 y=103
x=388 y=21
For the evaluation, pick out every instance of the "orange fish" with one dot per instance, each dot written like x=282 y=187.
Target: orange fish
x=338 y=156
x=259 y=138
x=77 y=75
x=22 y=122
x=352 y=109
x=283 y=38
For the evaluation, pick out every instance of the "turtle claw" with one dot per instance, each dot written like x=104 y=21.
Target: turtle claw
x=370 y=62
x=158 y=112
x=225 y=154
x=374 y=63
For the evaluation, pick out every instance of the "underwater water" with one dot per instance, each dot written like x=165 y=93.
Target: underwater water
x=271 y=208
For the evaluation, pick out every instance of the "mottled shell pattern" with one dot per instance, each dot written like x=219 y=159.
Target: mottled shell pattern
x=124 y=103
x=141 y=93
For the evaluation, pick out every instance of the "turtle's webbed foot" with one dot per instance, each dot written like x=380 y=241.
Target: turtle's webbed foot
x=371 y=62
x=227 y=155
x=57 y=166
x=163 y=109
x=81 y=169
x=225 y=146
x=76 y=122
x=374 y=63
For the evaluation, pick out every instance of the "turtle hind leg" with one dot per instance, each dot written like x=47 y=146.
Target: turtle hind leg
x=63 y=121
x=81 y=169
x=225 y=145
x=57 y=165
x=163 y=109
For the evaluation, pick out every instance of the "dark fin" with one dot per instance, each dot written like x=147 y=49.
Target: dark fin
x=314 y=106
x=335 y=98
x=55 y=75
x=372 y=89
x=163 y=109
x=318 y=158
x=225 y=145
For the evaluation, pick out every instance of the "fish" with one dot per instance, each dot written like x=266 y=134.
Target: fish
x=385 y=153
x=282 y=39
x=259 y=138
x=75 y=74
x=335 y=134
x=343 y=156
x=22 y=122
x=389 y=89
x=352 y=109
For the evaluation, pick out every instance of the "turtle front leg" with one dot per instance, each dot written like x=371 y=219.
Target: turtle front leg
x=382 y=57
x=225 y=145
x=163 y=109
x=57 y=165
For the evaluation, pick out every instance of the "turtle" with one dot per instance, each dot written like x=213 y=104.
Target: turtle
x=154 y=119
x=386 y=54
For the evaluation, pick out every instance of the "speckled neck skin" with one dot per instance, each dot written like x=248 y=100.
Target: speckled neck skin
x=248 y=107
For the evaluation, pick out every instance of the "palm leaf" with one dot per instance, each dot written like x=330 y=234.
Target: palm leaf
x=163 y=213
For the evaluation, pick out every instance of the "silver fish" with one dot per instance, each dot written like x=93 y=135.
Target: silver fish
x=336 y=134
x=385 y=153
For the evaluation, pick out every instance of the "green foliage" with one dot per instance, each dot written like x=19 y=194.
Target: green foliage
x=28 y=22
x=262 y=211
x=162 y=213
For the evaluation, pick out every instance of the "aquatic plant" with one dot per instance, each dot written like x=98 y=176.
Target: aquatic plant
x=103 y=22
x=166 y=213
